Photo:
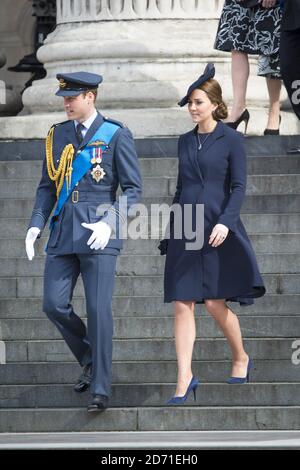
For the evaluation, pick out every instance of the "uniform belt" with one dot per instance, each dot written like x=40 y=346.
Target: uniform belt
x=92 y=196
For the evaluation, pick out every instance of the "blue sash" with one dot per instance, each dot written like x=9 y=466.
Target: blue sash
x=82 y=163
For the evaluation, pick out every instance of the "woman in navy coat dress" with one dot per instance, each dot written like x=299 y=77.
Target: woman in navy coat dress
x=211 y=172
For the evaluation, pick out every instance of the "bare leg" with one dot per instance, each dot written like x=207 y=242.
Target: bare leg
x=228 y=322
x=185 y=335
x=274 y=87
x=239 y=76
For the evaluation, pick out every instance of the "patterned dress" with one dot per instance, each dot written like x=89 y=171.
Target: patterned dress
x=253 y=30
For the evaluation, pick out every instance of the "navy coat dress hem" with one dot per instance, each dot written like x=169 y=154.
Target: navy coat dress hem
x=243 y=299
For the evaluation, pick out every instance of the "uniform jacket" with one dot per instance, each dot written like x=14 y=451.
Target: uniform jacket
x=121 y=167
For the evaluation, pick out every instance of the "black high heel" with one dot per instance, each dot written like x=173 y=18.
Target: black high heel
x=273 y=131
x=245 y=116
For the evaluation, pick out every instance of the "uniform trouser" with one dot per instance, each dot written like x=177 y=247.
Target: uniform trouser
x=94 y=344
x=290 y=65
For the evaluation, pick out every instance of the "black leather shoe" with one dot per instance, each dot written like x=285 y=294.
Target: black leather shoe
x=98 y=403
x=293 y=151
x=245 y=116
x=273 y=131
x=84 y=380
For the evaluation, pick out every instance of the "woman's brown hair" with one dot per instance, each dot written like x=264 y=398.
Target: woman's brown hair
x=214 y=92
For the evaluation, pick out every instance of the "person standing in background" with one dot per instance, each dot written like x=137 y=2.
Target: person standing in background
x=252 y=27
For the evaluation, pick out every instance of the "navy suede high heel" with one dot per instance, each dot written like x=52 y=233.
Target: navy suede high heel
x=242 y=380
x=176 y=400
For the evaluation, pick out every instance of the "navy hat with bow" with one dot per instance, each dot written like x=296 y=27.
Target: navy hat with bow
x=208 y=73
x=72 y=84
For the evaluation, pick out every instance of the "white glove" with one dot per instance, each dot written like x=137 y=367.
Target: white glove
x=31 y=236
x=100 y=236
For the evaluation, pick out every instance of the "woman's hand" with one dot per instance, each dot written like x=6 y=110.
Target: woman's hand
x=218 y=235
x=268 y=3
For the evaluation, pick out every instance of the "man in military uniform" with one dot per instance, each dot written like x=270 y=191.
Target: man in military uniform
x=87 y=158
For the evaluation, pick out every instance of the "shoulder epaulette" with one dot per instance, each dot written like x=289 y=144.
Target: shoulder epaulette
x=120 y=124
x=58 y=124
x=63 y=122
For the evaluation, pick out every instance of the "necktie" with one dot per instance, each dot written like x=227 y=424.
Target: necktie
x=79 y=129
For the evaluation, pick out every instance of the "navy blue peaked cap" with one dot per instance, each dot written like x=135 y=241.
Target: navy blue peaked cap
x=208 y=73
x=72 y=84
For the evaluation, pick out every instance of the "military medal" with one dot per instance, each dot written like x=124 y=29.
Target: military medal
x=97 y=156
x=98 y=173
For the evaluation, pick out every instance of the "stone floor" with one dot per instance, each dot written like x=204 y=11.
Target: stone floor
x=154 y=440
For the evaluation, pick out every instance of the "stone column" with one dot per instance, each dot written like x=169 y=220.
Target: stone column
x=148 y=52
x=2 y=83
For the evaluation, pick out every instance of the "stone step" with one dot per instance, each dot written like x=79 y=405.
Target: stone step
x=156 y=327
x=14 y=248
x=256 y=165
x=154 y=264
x=12 y=229
x=253 y=204
x=186 y=418
x=153 y=349
x=263 y=204
x=148 y=395
x=270 y=326
x=147 y=440
x=32 y=150
x=128 y=372
x=164 y=186
x=28 y=287
x=141 y=305
x=256 y=185
x=14 y=261
x=262 y=243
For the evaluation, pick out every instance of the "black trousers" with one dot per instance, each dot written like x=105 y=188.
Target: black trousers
x=290 y=66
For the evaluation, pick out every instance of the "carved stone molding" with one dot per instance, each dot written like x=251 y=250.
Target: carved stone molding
x=110 y=10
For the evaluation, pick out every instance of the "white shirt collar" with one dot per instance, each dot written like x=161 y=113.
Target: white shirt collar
x=87 y=124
